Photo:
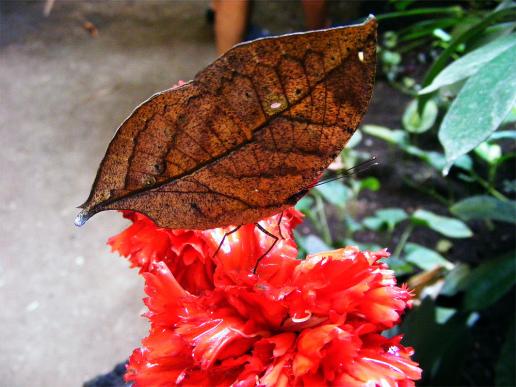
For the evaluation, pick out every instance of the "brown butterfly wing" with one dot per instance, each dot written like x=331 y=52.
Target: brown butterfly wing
x=243 y=139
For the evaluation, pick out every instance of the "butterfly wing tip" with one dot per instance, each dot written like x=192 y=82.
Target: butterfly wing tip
x=81 y=218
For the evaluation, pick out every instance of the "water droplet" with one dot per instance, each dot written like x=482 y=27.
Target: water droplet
x=275 y=105
x=361 y=56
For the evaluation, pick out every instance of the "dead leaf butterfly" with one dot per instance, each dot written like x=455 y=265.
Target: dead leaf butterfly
x=246 y=138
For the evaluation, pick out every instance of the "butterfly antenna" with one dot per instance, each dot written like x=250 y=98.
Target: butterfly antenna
x=359 y=168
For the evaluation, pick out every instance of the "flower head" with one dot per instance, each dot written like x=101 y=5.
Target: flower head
x=284 y=322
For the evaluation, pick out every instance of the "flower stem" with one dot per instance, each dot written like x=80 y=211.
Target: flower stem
x=323 y=221
x=403 y=240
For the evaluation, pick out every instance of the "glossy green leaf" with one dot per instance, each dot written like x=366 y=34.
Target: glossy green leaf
x=416 y=123
x=485 y=207
x=425 y=258
x=490 y=281
x=464 y=37
x=334 y=192
x=392 y=136
x=511 y=118
x=453 y=228
x=470 y=63
x=480 y=107
x=490 y=153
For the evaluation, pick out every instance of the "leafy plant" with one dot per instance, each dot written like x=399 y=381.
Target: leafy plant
x=459 y=126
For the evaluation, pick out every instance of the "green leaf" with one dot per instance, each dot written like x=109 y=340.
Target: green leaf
x=334 y=192
x=490 y=281
x=400 y=266
x=443 y=314
x=485 y=207
x=470 y=63
x=425 y=258
x=511 y=118
x=305 y=204
x=392 y=136
x=490 y=153
x=503 y=135
x=354 y=140
x=504 y=375
x=455 y=280
x=480 y=107
x=440 y=63
x=439 y=359
x=373 y=223
x=386 y=218
x=416 y=123
x=371 y=183
x=313 y=244
x=450 y=227
x=392 y=216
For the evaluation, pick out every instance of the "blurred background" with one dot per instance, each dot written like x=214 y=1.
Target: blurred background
x=72 y=71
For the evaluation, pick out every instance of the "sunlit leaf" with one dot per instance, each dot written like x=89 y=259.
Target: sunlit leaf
x=416 y=123
x=334 y=192
x=392 y=136
x=386 y=218
x=371 y=183
x=450 y=227
x=425 y=258
x=485 y=207
x=470 y=63
x=490 y=153
x=480 y=107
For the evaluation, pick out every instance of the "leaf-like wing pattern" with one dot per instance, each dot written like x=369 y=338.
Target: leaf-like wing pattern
x=246 y=138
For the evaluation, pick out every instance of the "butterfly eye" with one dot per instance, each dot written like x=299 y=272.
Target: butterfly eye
x=159 y=168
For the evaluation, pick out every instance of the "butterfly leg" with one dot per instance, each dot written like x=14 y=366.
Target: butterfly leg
x=279 y=225
x=276 y=239
x=224 y=238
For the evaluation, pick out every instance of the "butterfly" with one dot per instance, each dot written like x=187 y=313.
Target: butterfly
x=246 y=138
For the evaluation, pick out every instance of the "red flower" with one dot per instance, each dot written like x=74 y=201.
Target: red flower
x=186 y=252
x=311 y=322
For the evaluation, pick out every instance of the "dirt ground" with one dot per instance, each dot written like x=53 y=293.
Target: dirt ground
x=70 y=307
